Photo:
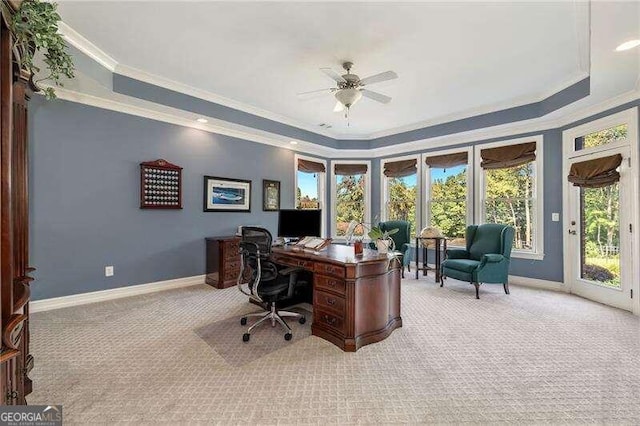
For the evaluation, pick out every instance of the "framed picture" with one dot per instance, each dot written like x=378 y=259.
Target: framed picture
x=270 y=195
x=226 y=195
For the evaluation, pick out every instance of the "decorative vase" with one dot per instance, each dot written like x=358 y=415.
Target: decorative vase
x=383 y=246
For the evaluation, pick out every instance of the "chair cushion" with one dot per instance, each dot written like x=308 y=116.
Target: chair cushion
x=487 y=239
x=464 y=265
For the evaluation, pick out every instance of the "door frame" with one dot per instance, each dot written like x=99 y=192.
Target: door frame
x=629 y=117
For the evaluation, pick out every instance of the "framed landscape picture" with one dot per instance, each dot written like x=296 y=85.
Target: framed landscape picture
x=270 y=195
x=226 y=195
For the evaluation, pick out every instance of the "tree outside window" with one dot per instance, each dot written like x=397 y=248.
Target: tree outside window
x=307 y=192
x=401 y=204
x=447 y=204
x=350 y=203
x=510 y=200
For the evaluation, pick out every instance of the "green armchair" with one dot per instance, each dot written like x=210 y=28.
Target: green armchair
x=485 y=259
x=401 y=239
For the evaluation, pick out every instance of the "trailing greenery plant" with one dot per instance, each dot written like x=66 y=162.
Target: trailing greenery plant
x=35 y=29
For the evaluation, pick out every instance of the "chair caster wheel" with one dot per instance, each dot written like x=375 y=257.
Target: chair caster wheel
x=245 y=337
x=302 y=320
x=243 y=321
x=287 y=336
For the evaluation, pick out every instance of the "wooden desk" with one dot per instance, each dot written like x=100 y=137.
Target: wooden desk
x=356 y=301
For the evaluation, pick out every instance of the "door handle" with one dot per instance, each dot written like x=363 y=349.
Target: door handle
x=572 y=232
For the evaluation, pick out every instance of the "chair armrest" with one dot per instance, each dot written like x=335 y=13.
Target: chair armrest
x=288 y=271
x=491 y=258
x=457 y=254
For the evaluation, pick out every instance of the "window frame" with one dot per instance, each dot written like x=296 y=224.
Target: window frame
x=384 y=188
x=480 y=188
x=322 y=194
x=621 y=118
x=426 y=219
x=334 y=198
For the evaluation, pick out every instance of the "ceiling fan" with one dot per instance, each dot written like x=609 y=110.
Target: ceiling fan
x=351 y=88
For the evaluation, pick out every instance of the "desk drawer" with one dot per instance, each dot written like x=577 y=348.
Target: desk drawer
x=328 y=319
x=231 y=249
x=292 y=261
x=324 y=300
x=231 y=274
x=329 y=269
x=331 y=284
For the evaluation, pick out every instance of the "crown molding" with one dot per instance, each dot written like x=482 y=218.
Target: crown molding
x=85 y=46
x=279 y=141
x=104 y=59
x=176 y=86
x=473 y=112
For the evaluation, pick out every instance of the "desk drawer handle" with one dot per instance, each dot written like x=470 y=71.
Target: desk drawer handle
x=330 y=320
x=330 y=269
x=301 y=263
x=331 y=301
x=333 y=284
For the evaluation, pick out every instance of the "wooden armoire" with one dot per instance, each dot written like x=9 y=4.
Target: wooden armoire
x=15 y=89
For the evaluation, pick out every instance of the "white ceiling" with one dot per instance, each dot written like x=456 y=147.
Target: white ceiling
x=453 y=59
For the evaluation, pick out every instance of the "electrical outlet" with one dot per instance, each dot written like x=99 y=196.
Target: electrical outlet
x=108 y=271
x=555 y=217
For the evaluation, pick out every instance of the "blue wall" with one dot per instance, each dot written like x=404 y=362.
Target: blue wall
x=85 y=194
x=84 y=187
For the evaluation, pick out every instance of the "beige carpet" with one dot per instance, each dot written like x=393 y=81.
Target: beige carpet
x=224 y=337
x=531 y=357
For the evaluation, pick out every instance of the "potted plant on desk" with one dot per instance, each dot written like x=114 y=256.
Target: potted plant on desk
x=383 y=240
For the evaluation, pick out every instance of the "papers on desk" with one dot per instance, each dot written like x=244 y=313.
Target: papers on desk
x=313 y=243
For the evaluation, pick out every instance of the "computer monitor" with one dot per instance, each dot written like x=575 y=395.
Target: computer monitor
x=299 y=223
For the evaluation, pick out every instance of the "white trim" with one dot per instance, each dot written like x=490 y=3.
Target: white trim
x=104 y=59
x=176 y=86
x=427 y=181
x=259 y=136
x=367 y=194
x=322 y=193
x=537 y=283
x=629 y=117
x=85 y=46
x=111 y=294
x=538 y=238
x=473 y=112
x=384 y=187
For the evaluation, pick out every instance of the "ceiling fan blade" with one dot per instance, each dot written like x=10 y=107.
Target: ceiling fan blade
x=379 y=78
x=333 y=75
x=314 y=93
x=339 y=107
x=376 y=96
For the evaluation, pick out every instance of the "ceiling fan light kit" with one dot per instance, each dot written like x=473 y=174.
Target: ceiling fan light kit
x=350 y=88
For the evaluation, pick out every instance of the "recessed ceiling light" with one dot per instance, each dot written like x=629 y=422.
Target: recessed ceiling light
x=628 y=45
x=202 y=120
x=293 y=143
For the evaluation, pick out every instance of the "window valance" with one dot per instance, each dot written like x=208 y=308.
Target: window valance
x=595 y=173
x=309 y=166
x=349 y=169
x=508 y=156
x=447 y=161
x=401 y=168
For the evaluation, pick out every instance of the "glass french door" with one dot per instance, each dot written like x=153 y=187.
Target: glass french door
x=600 y=236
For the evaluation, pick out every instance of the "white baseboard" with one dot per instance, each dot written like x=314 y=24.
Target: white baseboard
x=114 y=293
x=536 y=283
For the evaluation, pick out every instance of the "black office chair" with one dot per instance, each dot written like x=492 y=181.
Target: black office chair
x=267 y=284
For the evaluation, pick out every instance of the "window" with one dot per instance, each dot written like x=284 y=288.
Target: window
x=448 y=203
x=309 y=179
x=602 y=137
x=351 y=195
x=510 y=191
x=400 y=190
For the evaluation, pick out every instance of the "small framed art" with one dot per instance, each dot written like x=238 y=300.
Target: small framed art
x=270 y=195
x=226 y=195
